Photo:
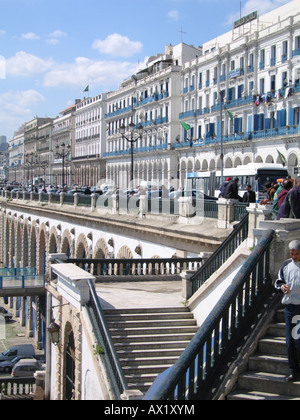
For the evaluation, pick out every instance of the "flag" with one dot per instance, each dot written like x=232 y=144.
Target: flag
x=282 y=158
x=86 y=89
x=230 y=115
x=186 y=126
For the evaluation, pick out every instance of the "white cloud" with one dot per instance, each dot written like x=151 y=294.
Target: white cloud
x=15 y=107
x=31 y=36
x=117 y=45
x=55 y=37
x=27 y=65
x=173 y=15
x=83 y=71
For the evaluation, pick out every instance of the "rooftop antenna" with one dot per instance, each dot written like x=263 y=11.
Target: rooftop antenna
x=182 y=33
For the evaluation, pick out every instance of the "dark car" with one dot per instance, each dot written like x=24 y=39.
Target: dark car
x=8 y=365
x=7 y=315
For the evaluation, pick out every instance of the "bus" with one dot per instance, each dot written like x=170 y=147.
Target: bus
x=254 y=174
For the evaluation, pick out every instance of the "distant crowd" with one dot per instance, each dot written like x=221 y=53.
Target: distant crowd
x=284 y=195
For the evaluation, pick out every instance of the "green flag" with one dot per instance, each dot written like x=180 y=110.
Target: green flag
x=186 y=126
x=230 y=115
x=282 y=158
x=86 y=89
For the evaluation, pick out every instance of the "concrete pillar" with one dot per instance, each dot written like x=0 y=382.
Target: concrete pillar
x=257 y=214
x=187 y=288
x=225 y=212
x=286 y=231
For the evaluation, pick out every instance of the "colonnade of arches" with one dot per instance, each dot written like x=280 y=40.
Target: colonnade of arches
x=164 y=169
x=197 y=164
x=158 y=170
x=28 y=243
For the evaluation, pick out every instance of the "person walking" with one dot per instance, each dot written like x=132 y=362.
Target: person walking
x=289 y=284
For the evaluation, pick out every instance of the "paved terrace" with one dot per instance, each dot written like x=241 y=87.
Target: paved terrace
x=140 y=294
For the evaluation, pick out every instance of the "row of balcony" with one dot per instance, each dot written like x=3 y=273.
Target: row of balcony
x=241 y=72
x=254 y=135
x=154 y=98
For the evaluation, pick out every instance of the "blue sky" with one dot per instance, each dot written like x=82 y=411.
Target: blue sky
x=52 y=49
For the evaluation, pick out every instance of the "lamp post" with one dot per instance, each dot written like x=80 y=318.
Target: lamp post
x=132 y=140
x=63 y=154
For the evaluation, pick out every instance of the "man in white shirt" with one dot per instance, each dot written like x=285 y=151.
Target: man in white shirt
x=289 y=284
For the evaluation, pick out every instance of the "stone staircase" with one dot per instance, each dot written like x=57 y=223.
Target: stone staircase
x=149 y=341
x=267 y=369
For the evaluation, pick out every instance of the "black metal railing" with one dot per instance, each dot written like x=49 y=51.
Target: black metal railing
x=198 y=369
x=137 y=267
x=105 y=347
x=221 y=255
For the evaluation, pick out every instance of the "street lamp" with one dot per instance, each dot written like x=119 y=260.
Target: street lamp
x=53 y=331
x=63 y=154
x=132 y=140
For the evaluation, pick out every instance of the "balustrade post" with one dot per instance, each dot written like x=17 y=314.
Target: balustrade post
x=76 y=200
x=187 y=287
x=225 y=212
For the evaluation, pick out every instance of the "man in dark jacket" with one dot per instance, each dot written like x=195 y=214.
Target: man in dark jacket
x=232 y=190
x=249 y=196
x=290 y=208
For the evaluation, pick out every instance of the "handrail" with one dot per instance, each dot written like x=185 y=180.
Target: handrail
x=221 y=255
x=196 y=371
x=101 y=331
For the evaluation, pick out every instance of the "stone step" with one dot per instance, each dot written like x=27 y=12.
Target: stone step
x=259 y=396
x=127 y=331
x=157 y=324
x=129 y=353
x=269 y=363
x=147 y=361
x=272 y=345
x=151 y=345
x=138 y=338
x=144 y=371
x=268 y=382
x=146 y=310
x=149 y=316
x=277 y=330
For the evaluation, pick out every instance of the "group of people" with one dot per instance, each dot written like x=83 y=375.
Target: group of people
x=230 y=190
x=284 y=195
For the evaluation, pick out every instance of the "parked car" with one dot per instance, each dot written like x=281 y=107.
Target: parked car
x=20 y=350
x=7 y=315
x=25 y=368
x=8 y=365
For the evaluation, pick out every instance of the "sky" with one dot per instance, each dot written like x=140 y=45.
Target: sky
x=50 y=50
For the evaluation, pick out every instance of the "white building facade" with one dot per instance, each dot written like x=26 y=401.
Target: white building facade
x=90 y=136
x=63 y=147
x=150 y=98
x=255 y=69
x=16 y=157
